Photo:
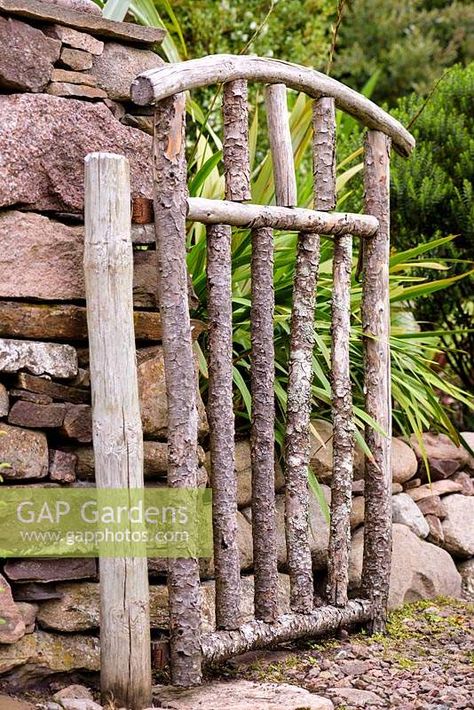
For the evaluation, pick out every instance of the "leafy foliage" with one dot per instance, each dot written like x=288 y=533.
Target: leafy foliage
x=409 y=43
x=415 y=383
x=432 y=196
x=296 y=30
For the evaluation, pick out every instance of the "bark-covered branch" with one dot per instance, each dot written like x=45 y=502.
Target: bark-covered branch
x=170 y=193
x=221 y=645
x=376 y=328
x=221 y=426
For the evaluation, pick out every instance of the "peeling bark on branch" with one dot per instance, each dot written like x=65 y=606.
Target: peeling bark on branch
x=324 y=153
x=280 y=145
x=376 y=328
x=324 y=146
x=263 y=422
x=170 y=193
x=297 y=438
x=117 y=428
x=236 y=141
x=221 y=645
x=298 y=219
x=221 y=425
x=343 y=428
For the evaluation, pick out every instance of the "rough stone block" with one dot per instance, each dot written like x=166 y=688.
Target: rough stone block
x=12 y=626
x=4 y=401
x=76 y=59
x=73 y=77
x=76 y=40
x=42 y=259
x=77 y=91
x=458 y=527
x=406 y=512
x=49 y=570
x=52 y=390
x=444 y=457
x=62 y=466
x=88 y=6
x=28 y=613
x=38 y=358
x=37 y=416
x=419 y=569
x=119 y=65
x=25 y=451
x=26 y=56
x=78 y=423
x=436 y=535
x=41 y=654
x=43 y=162
x=152 y=392
x=25 y=396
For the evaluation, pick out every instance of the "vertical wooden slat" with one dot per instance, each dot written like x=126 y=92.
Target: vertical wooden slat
x=324 y=153
x=170 y=193
x=297 y=437
x=221 y=425
x=280 y=145
x=262 y=431
x=376 y=329
x=236 y=141
x=341 y=482
x=117 y=429
x=343 y=433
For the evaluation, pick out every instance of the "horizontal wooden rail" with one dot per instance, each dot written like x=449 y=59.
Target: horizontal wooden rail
x=156 y=84
x=296 y=219
x=221 y=645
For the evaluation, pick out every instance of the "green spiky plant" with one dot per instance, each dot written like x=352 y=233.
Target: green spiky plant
x=415 y=384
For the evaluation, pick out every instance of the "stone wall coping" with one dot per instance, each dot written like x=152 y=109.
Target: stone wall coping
x=94 y=24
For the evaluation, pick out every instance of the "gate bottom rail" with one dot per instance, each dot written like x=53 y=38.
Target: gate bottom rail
x=219 y=646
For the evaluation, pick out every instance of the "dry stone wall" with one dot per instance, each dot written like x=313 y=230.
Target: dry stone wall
x=64 y=92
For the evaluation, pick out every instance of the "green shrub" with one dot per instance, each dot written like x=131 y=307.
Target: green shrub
x=410 y=43
x=296 y=30
x=433 y=196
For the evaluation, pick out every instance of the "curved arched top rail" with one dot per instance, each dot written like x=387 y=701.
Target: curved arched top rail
x=156 y=84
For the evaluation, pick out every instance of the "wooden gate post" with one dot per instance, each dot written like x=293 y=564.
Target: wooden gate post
x=376 y=330
x=117 y=429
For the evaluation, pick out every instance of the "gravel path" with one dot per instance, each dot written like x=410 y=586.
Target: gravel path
x=425 y=663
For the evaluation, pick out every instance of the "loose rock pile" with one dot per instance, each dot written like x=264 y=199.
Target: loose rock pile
x=64 y=80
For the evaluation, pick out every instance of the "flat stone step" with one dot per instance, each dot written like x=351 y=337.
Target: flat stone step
x=240 y=695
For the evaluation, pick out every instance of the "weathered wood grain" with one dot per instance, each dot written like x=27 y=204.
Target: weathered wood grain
x=170 y=193
x=96 y=25
x=297 y=219
x=262 y=427
x=376 y=330
x=221 y=425
x=156 y=84
x=280 y=145
x=236 y=141
x=117 y=430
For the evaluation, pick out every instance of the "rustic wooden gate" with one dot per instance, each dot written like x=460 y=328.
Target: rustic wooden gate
x=164 y=87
